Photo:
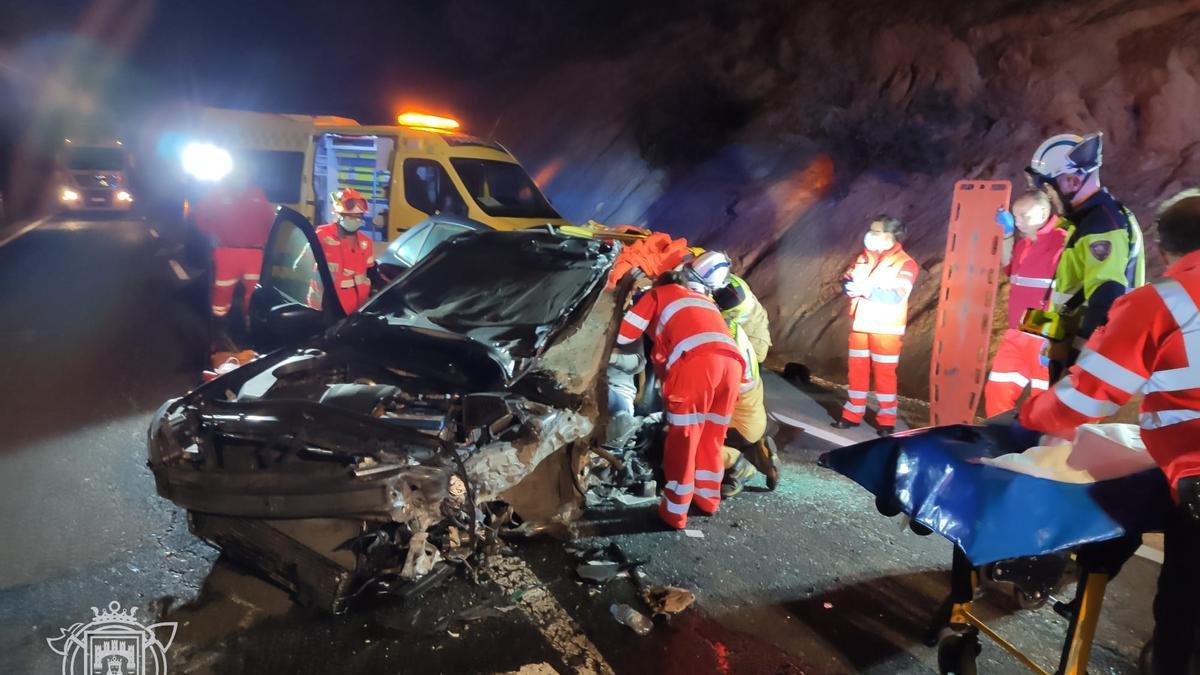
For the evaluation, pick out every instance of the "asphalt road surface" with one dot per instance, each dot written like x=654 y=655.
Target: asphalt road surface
x=97 y=329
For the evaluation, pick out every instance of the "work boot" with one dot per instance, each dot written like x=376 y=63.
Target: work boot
x=886 y=431
x=764 y=456
x=843 y=424
x=736 y=477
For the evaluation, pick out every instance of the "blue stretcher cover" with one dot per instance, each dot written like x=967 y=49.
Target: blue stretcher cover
x=992 y=513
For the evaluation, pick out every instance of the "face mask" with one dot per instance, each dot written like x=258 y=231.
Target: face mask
x=876 y=242
x=349 y=223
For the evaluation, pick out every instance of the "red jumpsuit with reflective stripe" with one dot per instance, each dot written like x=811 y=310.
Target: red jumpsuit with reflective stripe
x=1018 y=361
x=239 y=222
x=879 y=320
x=348 y=261
x=1150 y=345
x=700 y=367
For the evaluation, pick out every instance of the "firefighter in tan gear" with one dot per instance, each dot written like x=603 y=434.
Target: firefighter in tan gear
x=748 y=449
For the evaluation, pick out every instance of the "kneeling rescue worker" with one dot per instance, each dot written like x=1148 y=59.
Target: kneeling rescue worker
x=348 y=251
x=1151 y=346
x=748 y=449
x=700 y=367
x=878 y=285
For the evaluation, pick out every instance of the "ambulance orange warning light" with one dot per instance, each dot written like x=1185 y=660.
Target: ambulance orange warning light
x=423 y=121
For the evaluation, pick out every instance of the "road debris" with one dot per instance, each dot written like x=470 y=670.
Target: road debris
x=667 y=600
x=624 y=614
x=694 y=534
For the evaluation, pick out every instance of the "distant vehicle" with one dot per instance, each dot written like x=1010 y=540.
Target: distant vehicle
x=417 y=242
x=92 y=176
x=421 y=167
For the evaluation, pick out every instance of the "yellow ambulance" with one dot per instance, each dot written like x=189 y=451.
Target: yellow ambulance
x=421 y=167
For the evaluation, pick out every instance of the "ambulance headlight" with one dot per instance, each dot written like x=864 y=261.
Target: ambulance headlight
x=206 y=162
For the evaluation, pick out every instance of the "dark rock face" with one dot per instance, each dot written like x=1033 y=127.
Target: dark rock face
x=775 y=130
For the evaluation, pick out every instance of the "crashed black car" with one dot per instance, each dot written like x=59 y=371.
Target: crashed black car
x=376 y=450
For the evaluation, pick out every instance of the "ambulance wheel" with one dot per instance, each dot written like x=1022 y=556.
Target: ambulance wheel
x=957 y=652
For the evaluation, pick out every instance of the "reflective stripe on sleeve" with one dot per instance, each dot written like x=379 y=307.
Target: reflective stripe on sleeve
x=252 y=277
x=748 y=386
x=1058 y=298
x=346 y=283
x=1110 y=372
x=1039 y=384
x=1092 y=408
x=637 y=321
x=225 y=283
x=1165 y=418
x=1030 y=282
x=361 y=279
x=1014 y=378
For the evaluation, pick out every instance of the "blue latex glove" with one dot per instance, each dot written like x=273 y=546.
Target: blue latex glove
x=1004 y=218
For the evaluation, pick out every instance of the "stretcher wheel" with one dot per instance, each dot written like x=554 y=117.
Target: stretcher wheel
x=1027 y=600
x=887 y=506
x=957 y=653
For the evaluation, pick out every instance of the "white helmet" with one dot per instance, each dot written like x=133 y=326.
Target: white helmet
x=710 y=268
x=1067 y=153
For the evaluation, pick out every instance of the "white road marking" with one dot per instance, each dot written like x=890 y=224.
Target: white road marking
x=554 y=623
x=22 y=232
x=812 y=429
x=178 y=269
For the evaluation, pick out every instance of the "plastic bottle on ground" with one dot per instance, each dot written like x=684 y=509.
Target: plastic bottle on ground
x=640 y=623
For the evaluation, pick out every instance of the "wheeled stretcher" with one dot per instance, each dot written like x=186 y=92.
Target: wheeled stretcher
x=1012 y=518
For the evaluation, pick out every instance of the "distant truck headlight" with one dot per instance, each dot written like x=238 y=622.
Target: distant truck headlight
x=206 y=162
x=123 y=196
x=67 y=195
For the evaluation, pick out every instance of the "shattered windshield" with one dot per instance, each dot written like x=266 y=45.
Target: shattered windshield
x=502 y=189
x=476 y=283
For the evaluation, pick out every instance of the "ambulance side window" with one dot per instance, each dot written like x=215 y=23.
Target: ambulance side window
x=427 y=188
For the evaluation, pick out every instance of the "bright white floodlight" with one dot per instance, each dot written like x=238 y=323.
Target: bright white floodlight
x=206 y=162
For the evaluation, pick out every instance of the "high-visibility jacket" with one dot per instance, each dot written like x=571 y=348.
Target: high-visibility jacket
x=739 y=305
x=1031 y=269
x=348 y=265
x=890 y=276
x=235 y=218
x=750 y=374
x=1150 y=345
x=679 y=321
x=1104 y=257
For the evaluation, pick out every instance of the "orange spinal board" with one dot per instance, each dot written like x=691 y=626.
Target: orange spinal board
x=970 y=275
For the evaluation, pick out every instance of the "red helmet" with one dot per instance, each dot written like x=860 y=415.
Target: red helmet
x=348 y=201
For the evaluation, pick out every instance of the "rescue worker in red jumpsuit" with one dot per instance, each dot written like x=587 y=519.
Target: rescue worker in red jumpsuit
x=878 y=285
x=1029 y=262
x=236 y=217
x=349 y=253
x=1151 y=345
x=700 y=367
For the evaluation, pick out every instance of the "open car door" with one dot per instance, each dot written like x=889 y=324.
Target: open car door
x=293 y=299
